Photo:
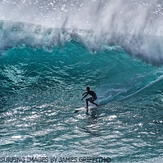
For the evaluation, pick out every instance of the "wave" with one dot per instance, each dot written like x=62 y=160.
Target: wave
x=136 y=26
x=111 y=42
x=111 y=71
x=14 y=34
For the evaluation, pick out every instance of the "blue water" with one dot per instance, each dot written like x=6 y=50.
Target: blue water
x=43 y=73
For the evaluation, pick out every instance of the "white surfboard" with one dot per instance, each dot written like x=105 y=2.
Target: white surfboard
x=84 y=109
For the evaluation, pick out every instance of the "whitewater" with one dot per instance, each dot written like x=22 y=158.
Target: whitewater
x=51 y=50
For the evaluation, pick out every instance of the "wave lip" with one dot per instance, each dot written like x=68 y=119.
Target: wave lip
x=17 y=34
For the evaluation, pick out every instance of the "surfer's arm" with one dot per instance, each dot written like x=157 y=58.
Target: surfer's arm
x=84 y=95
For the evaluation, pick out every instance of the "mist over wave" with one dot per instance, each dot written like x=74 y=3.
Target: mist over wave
x=135 y=25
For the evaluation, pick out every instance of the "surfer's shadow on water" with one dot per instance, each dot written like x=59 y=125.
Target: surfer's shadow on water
x=90 y=121
x=91 y=125
x=94 y=113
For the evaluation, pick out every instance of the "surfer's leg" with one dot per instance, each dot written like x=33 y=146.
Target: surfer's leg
x=86 y=103
x=94 y=103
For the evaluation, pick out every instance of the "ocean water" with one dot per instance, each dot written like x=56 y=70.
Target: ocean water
x=52 y=52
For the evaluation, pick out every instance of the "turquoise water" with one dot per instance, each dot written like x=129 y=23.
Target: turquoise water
x=45 y=70
x=40 y=90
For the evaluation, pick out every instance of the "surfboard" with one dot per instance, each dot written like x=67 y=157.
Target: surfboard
x=84 y=109
x=79 y=109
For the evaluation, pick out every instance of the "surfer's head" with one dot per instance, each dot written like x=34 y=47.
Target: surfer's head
x=88 y=88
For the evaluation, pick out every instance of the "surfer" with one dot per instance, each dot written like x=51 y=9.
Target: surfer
x=91 y=99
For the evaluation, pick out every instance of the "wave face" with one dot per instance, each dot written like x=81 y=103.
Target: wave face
x=45 y=68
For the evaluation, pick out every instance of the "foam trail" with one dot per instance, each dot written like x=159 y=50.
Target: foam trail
x=148 y=85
